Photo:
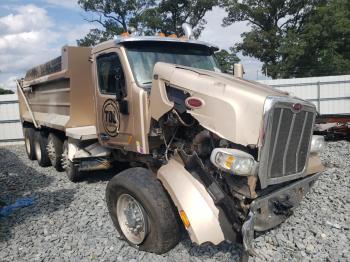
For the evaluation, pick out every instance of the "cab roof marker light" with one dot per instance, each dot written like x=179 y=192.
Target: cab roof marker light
x=125 y=34
x=172 y=36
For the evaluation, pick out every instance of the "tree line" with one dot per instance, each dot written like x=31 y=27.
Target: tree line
x=292 y=38
x=4 y=91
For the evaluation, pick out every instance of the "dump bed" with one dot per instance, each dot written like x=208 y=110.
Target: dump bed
x=60 y=92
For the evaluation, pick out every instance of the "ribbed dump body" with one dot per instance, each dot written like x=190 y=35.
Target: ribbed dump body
x=50 y=67
x=60 y=92
x=287 y=140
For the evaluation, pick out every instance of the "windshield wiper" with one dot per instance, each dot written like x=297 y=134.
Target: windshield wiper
x=147 y=83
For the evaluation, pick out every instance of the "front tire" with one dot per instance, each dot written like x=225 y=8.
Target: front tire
x=142 y=211
x=40 y=145
x=29 y=136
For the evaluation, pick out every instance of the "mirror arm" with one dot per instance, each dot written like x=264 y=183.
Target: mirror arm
x=123 y=107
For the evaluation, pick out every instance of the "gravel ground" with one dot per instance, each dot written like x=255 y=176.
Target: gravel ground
x=70 y=222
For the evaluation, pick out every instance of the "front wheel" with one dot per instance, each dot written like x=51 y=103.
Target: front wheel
x=142 y=211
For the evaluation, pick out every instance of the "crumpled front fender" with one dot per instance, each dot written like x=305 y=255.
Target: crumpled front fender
x=207 y=221
x=314 y=165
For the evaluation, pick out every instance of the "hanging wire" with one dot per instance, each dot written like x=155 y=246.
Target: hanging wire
x=167 y=146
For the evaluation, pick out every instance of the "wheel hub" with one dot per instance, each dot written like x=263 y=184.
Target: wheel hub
x=132 y=218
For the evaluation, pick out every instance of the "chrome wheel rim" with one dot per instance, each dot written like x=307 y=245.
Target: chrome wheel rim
x=37 y=150
x=132 y=219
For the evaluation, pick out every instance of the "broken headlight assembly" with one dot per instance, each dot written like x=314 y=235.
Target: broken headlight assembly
x=234 y=161
x=317 y=144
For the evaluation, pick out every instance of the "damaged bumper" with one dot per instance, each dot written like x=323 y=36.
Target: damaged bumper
x=272 y=209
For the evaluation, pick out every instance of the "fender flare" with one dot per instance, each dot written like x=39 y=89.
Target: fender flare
x=208 y=223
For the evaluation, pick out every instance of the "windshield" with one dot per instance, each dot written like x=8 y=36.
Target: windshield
x=144 y=55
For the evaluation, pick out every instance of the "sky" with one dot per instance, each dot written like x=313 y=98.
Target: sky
x=33 y=32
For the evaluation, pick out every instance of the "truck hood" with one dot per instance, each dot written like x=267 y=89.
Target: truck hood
x=232 y=109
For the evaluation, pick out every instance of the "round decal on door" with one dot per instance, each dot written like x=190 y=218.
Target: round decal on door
x=111 y=117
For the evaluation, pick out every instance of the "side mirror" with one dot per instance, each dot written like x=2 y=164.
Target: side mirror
x=123 y=104
x=120 y=88
x=119 y=96
x=121 y=91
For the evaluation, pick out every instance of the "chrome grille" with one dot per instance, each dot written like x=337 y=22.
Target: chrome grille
x=287 y=140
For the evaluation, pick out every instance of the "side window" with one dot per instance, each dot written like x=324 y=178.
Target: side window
x=110 y=75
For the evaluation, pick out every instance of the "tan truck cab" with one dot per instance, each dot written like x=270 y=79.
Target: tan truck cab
x=223 y=155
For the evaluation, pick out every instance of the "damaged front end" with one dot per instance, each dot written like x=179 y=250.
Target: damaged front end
x=238 y=163
x=288 y=164
x=215 y=214
x=270 y=210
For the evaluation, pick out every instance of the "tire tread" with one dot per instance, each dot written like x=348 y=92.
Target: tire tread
x=140 y=181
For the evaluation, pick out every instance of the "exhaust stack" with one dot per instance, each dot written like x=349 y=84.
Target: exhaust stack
x=238 y=70
x=188 y=30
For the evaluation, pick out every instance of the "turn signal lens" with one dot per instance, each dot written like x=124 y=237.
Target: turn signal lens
x=317 y=144
x=184 y=219
x=229 y=161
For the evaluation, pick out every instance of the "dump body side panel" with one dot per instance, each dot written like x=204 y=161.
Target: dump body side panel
x=49 y=102
x=82 y=104
x=62 y=99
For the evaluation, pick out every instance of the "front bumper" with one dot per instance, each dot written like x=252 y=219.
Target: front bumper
x=272 y=209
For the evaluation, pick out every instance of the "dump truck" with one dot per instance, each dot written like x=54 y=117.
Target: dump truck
x=207 y=152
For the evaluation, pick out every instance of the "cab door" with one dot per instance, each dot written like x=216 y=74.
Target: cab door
x=112 y=106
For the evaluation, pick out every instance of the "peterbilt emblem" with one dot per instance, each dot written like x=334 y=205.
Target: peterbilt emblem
x=111 y=117
x=297 y=107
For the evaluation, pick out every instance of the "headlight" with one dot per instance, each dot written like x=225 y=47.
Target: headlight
x=234 y=161
x=317 y=144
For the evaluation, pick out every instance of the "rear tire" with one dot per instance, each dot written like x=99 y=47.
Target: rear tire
x=29 y=136
x=55 y=151
x=71 y=169
x=40 y=145
x=161 y=224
